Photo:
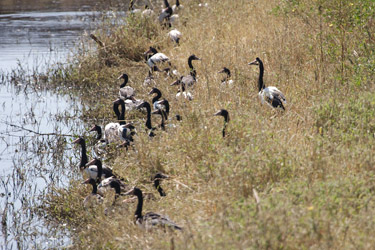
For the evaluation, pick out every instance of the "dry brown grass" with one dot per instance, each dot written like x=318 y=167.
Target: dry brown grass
x=312 y=165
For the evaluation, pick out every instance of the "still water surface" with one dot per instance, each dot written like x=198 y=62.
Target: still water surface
x=34 y=33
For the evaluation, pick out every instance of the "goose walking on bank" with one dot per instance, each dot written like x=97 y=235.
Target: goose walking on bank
x=150 y=219
x=111 y=130
x=271 y=95
x=224 y=113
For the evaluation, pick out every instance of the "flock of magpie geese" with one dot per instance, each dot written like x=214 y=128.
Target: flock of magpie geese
x=121 y=133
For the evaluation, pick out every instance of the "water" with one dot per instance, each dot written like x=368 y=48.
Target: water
x=33 y=157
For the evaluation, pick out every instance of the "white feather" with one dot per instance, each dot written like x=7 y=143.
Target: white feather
x=157 y=58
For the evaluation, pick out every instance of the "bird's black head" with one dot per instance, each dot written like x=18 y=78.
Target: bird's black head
x=154 y=90
x=194 y=57
x=151 y=50
x=224 y=113
x=79 y=140
x=225 y=70
x=95 y=128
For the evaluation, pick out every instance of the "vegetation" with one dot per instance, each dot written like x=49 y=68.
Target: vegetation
x=303 y=178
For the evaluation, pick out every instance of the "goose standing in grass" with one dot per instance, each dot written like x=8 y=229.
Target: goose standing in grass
x=96 y=171
x=147 y=106
x=166 y=13
x=153 y=58
x=125 y=92
x=224 y=113
x=271 y=95
x=175 y=35
x=150 y=219
x=84 y=160
x=156 y=179
x=94 y=197
x=111 y=133
x=226 y=80
x=190 y=79
x=155 y=99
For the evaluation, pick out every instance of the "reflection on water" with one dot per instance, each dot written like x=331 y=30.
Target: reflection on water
x=32 y=160
x=32 y=156
x=31 y=38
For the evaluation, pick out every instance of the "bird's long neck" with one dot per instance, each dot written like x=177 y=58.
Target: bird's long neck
x=166 y=3
x=157 y=97
x=261 y=72
x=99 y=136
x=193 y=73
x=126 y=79
x=115 y=185
x=116 y=110
x=138 y=212
x=163 y=115
x=100 y=170
x=83 y=155
x=148 y=121
x=226 y=120
x=122 y=114
x=166 y=104
x=177 y=3
x=94 y=188
x=225 y=126
x=158 y=187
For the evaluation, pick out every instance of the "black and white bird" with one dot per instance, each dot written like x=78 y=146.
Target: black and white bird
x=224 y=113
x=271 y=95
x=190 y=79
x=150 y=219
x=227 y=79
x=111 y=130
x=155 y=58
x=175 y=35
x=96 y=171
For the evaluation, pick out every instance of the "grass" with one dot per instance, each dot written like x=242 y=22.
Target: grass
x=312 y=166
